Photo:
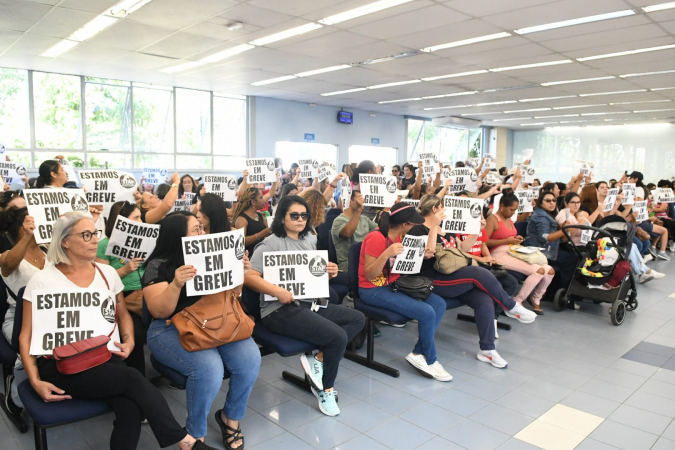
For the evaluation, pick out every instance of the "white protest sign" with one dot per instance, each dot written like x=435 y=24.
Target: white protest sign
x=640 y=211
x=2 y=148
x=610 y=200
x=302 y=273
x=131 y=240
x=260 y=170
x=224 y=186
x=410 y=201
x=462 y=215
x=346 y=194
x=463 y=179
x=70 y=170
x=493 y=178
x=429 y=163
x=665 y=195
x=489 y=162
x=586 y=167
x=106 y=187
x=181 y=204
x=269 y=219
x=446 y=173
x=154 y=176
x=47 y=205
x=527 y=173
x=327 y=172
x=12 y=172
x=535 y=191
x=524 y=201
x=218 y=259
x=69 y=315
x=473 y=163
x=189 y=197
x=586 y=236
x=379 y=191
x=309 y=168
x=410 y=261
x=628 y=193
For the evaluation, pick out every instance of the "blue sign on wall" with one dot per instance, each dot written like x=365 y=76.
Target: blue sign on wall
x=309 y=137
x=375 y=141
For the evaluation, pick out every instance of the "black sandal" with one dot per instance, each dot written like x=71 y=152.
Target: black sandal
x=230 y=435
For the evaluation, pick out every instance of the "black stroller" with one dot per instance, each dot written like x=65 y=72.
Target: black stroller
x=589 y=271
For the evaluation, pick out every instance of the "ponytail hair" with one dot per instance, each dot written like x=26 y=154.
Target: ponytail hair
x=509 y=199
x=364 y=166
x=386 y=221
x=47 y=168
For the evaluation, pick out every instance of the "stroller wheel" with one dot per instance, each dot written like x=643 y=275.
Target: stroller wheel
x=632 y=302
x=618 y=312
x=559 y=300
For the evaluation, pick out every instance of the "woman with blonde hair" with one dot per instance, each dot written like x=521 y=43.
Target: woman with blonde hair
x=246 y=216
x=317 y=208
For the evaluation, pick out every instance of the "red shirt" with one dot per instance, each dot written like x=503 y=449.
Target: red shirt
x=267 y=204
x=374 y=245
x=476 y=249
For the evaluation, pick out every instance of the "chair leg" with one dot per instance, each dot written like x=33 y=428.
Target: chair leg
x=13 y=412
x=40 y=437
x=369 y=360
x=302 y=383
x=472 y=319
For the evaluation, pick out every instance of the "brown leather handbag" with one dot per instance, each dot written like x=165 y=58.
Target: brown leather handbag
x=215 y=320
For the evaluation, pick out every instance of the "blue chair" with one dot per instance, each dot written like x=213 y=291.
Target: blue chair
x=521 y=228
x=323 y=230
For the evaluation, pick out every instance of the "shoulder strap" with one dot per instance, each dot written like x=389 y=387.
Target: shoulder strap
x=104 y=278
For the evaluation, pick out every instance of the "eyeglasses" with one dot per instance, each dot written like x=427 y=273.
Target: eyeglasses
x=297 y=216
x=574 y=203
x=549 y=200
x=87 y=235
x=394 y=170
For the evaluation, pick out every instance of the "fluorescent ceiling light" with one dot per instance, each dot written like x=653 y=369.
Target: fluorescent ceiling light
x=579 y=21
x=481 y=113
x=182 y=67
x=446 y=107
x=361 y=11
x=633 y=103
x=58 y=48
x=579 y=106
x=398 y=83
x=582 y=80
x=612 y=93
x=605 y=113
x=93 y=27
x=630 y=75
x=328 y=94
x=506 y=102
x=629 y=52
x=658 y=7
x=454 y=94
x=401 y=100
x=126 y=7
x=306 y=28
x=662 y=89
x=527 y=110
x=512 y=118
x=454 y=75
x=535 y=124
x=324 y=70
x=273 y=80
x=574 y=121
x=654 y=110
x=561 y=115
x=475 y=40
x=227 y=53
x=545 y=98
x=528 y=66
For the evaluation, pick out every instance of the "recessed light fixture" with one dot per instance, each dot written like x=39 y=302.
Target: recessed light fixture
x=302 y=29
x=328 y=94
x=482 y=113
x=226 y=53
x=535 y=124
x=582 y=80
x=273 y=80
x=92 y=28
x=58 y=48
x=324 y=70
x=633 y=103
x=545 y=98
x=654 y=110
x=595 y=94
x=361 y=11
x=126 y=7
x=475 y=40
x=397 y=83
x=446 y=107
x=455 y=75
x=512 y=118
x=561 y=115
x=505 y=102
x=181 y=67
x=579 y=21
x=605 y=113
x=454 y=94
x=659 y=7
x=628 y=52
x=578 y=106
x=527 y=110
x=644 y=74
x=529 y=66
x=400 y=100
x=662 y=89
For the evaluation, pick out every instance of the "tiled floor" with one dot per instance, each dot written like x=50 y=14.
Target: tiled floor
x=574 y=381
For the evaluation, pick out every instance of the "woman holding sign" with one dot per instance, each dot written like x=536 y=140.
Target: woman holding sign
x=52 y=175
x=81 y=285
x=246 y=216
x=153 y=209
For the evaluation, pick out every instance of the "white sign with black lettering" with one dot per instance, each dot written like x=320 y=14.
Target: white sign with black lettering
x=665 y=195
x=489 y=162
x=69 y=315
x=463 y=179
x=302 y=273
x=410 y=261
x=218 y=259
x=527 y=173
x=640 y=211
x=379 y=191
x=224 y=186
x=524 y=201
x=429 y=163
x=131 y=240
x=610 y=200
x=69 y=169
x=309 y=168
x=327 y=172
x=410 y=201
x=260 y=170
x=189 y=197
x=462 y=215
x=473 y=163
x=346 y=194
x=106 y=187
x=2 y=148
x=47 y=205
x=628 y=194
x=181 y=204
x=535 y=190
x=12 y=172
x=493 y=178
x=586 y=236
x=154 y=176
x=586 y=167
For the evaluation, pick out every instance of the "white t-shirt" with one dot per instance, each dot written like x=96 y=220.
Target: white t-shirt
x=639 y=193
x=52 y=278
x=20 y=277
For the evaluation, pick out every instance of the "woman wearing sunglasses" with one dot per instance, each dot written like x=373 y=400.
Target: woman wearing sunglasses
x=330 y=328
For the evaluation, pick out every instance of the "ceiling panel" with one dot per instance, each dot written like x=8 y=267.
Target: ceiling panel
x=513 y=41
x=220 y=31
x=177 y=14
x=619 y=47
x=490 y=7
x=130 y=35
x=316 y=46
x=369 y=18
x=143 y=62
x=92 y=6
x=33 y=44
x=360 y=77
x=19 y=15
x=591 y=28
x=294 y=7
x=365 y=52
x=250 y=15
x=21 y=61
x=92 y=53
x=494 y=58
x=181 y=45
x=584 y=73
x=441 y=35
x=605 y=38
x=62 y=22
x=7 y=38
x=635 y=60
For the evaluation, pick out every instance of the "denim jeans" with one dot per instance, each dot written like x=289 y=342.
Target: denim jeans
x=428 y=313
x=636 y=261
x=565 y=264
x=642 y=246
x=204 y=370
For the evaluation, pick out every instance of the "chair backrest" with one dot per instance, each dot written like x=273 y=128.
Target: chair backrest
x=251 y=301
x=18 y=320
x=325 y=228
x=521 y=228
x=146 y=317
x=332 y=253
x=3 y=299
x=354 y=259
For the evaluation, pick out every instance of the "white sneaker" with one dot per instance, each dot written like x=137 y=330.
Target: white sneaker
x=395 y=325
x=647 y=277
x=656 y=274
x=662 y=255
x=439 y=373
x=492 y=357
x=496 y=332
x=522 y=314
x=671 y=246
x=419 y=362
x=648 y=257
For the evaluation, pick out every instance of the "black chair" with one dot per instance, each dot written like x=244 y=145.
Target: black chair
x=521 y=228
x=323 y=230
x=8 y=356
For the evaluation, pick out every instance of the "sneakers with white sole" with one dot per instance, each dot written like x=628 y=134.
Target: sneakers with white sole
x=419 y=362
x=314 y=370
x=439 y=373
x=652 y=250
x=648 y=257
x=520 y=313
x=671 y=246
x=647 y=277
x=496 y=332
x=656 y=274
x=395 y=325
x=492 y=357
x=662 y=255
x=327 y=402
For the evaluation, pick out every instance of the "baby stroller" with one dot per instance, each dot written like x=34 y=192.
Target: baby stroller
x=612 y=232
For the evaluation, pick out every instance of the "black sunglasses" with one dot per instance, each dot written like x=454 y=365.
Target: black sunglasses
x=297 y=216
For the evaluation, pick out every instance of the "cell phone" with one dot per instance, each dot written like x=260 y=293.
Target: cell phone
x=322 y=302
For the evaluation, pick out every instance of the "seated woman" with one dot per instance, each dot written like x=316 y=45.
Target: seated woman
x=378 y=251
x=130 y=395
x=131 y=272
x=474 y=286
x=502 y=233
x=246 y=216
x=568 y=216
x=153 y=209
x=330 y=328
x=166 y=295
x=52 y=175
x=211 y=214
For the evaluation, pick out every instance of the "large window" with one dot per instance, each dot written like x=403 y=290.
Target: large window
x=384 y=156
x=292 y=152
x=153 y=118
x=452 y=143
x=108 y=106
x=14 y=123
x=57 y=100
x=193 y=121
x=229 y=126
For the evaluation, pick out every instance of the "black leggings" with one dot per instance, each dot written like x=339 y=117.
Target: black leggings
x=129 y=394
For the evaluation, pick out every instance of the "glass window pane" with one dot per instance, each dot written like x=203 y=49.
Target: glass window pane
x=292 y=152
x=14 y=120
x=107 y=81
x=154 y=160
x=108 y=117
x=75 y=158
x=415 y=138
x=153 y=120
x=229 y=126
x=23 y=157
x=230 y=164
x=57 y=110
x=193 y=121
x=387 y=157
x=114 y=160
x=193 y=162
x=475 y=142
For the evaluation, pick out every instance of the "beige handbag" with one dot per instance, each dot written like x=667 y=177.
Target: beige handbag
x=536 y=257
x=450 y=260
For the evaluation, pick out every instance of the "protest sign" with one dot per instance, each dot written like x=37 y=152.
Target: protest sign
x=463 y=179
x=261 y=170
x=524 y=201
x=154 y=176
x=628 y=193
x=47 y=205
x=610 y=200
x=69 y=315
x=462 y=215
x=218 y=259
x=189 y=197
x=302 y=273
x=327 y=172
x=410 y=261
x=665 y=195
x=181 y=204
x=309 y=168
x=69 y=169
x=410 y=201
x=473 y=163
x=640 y=211
x=429 y=163
x=106 y=187
x=493 y=178
x=489 y=162
x=586 y=236
x=535 y=190
x=2 y=148
x=224 y=186
x=379 y=191
x=586 y=167
x=527 y=173
x=12 y=172
x=346 y=194
x=131 y=240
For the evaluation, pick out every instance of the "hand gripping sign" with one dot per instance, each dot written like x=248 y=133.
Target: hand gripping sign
x=429 y=163
x=410 y=261
x=309 y=168
x=628 y=193
x=12 y=172
x=346 y=194
x=224 y=186
x=463 y=179
x=302 y=273
x=462 y=215
x=327 y=172
x=47 y=205
x=260 y=170
x=640 y=211
x=379 y=191
x=131 y=240
x=610 y=200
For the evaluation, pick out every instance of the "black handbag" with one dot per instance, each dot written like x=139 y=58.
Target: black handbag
x=416 y=287
x=495 y=269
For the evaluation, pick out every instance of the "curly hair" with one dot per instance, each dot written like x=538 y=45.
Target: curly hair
x=317 y=206
x=11 y=221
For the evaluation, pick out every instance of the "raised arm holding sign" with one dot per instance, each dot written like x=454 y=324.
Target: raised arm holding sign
x=130 y=240
x=260 y=170
x=154 y=176
x=379 y=191
x=224 y=186
x=106 y=187
x=610 y=200
x=463 y=179
x=47 y=205
x=462 y=214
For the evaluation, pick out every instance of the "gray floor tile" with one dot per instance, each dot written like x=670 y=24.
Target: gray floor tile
x=670 y=364
x=325 y=433
x=623 y=437
x=653 y=403
x=664 y=444
x=656 y=349
x=636 y=368
x=581 y=367
x=527 y=366
x=509 y=378
x=468 y=364
x=502 y=419
x=359 y=443
x=360 y=386
x=645 y=358
x=660 y=388
x=485 y=389
x=607 y=390
x=459 y=402
x=545 y=389
x=563 y=377
x=438 y=443
x=291 y=414
x=256 y=429
x=517 y=444
x=670 y=431
x=399 y=434
x=475 y=436
x=527 y=404
x=362 y=416
x=432 y=418
x=265 y=397
x=640 y=419
x=592 y=444
x=591 y=404
x=665 y=375
x=394 y=401
x=624 y=379
x=286 y=440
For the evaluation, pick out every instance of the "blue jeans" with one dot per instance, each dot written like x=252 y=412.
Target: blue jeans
x=636 y=261
x=428 y=313
x=205 y=370
x=642 y=246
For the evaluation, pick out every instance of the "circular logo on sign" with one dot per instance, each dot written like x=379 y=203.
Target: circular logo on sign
x=240 y=248
x=2 y=148
x=270 y=165
x=435 y=159
x=391 y=186
x=317 y=266
x=530 y=171
x=332 y=166
x=421 y=250
x=127 y=181
x=591 y=164
x=315 y=164
x=21 y=170
x=163 y=172
x=475 y=210
x=77 y=203
x=108 y=309
x=474 y=176
x=232 y=184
